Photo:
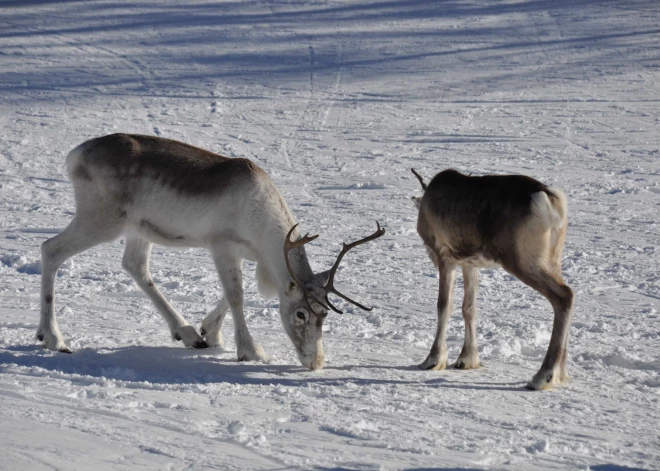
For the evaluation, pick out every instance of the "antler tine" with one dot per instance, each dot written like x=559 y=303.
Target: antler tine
x=343 y=296
x=292 y=244
x=289 y=245
x=330 y=287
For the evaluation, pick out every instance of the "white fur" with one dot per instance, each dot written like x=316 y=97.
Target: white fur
x=551 y=216
x=265 y=283
x=239 y=222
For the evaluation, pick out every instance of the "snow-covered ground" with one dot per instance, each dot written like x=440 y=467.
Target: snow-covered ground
x=336 y=100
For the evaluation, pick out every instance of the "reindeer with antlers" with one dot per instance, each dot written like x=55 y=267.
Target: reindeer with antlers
x=511 y=221
x=154 y=190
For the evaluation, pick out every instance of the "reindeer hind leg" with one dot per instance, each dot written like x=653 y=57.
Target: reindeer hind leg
x=551 y=285
x=84 y=232
x=469 y=357
x=211 y=328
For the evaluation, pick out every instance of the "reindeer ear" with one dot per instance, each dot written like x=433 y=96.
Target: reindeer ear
x=321 y=279
x=417 y=200
x=290 y=287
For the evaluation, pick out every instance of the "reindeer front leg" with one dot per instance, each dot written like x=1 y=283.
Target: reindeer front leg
x=211 y=328
x=437 y=358
x=231 y=276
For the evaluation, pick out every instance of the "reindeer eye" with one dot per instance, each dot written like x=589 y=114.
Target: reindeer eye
x=300 y=315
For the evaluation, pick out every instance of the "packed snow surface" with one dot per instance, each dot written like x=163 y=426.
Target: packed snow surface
x=337 y=100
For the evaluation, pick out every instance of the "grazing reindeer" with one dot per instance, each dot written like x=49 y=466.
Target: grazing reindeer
x=511 y=221
x=154 y=190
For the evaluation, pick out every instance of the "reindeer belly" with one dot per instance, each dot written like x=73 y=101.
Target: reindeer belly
x=461 y=242
x=163 y=235
x=479 y=261
x=475 y=259
x=171 y=218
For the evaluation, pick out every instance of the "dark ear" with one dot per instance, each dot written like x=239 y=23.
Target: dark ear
x=291 y=287
x=320 y=279
x=417 y=200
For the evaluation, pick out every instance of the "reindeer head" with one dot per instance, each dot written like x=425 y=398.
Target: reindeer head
x=305 y=304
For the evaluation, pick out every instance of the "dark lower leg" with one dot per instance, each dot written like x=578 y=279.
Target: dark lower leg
x=437 y=357
x=469 y=357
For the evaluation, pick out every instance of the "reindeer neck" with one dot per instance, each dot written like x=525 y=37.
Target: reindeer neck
x=273 y=243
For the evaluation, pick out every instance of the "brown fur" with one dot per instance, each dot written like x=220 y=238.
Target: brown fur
x=187 y=168
x=496 y=220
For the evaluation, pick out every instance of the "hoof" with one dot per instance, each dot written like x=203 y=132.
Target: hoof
x=251 y=353
x=52 y=341
x=247 y=358
x=189 y=336
x=544 y=380
x=200 y=344
x=462 y=365
x=213 y=337
x=431 y=366
x=433 y=362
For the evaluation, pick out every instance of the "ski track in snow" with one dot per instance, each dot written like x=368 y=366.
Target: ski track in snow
x=337 y=100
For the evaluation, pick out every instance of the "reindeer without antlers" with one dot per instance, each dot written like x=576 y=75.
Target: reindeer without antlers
x=511 y=221
x=155 y=190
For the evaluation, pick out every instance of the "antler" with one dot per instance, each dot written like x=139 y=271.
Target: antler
x=289 y=245
x=419 y=177
x=330 y=287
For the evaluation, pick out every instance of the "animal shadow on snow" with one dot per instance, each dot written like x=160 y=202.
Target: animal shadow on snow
x=409 y=469
x=160 y=365
x=164 y=365
x=171 y=365
x=614 y=467
x=441 y=382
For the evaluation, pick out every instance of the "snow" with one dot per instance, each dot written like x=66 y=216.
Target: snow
x=336 y=100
